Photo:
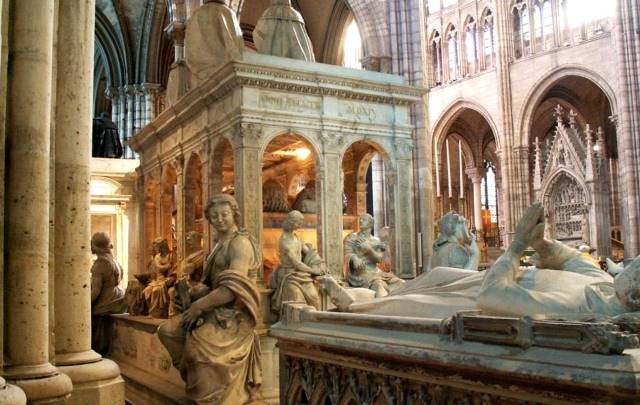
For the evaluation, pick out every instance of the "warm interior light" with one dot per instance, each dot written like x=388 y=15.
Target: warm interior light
x=302 y=153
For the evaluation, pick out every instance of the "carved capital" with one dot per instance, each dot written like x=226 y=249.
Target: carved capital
x=332 y=141
x=475 y=174
x=403 y=148
x=249 y=134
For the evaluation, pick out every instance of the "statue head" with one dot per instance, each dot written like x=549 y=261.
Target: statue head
x=365 y=222
x=627 y=286
x=453 y=228
x=219 y=200
x=100 y=243
x=294 y=220
x=194 y=239
x=161 y=246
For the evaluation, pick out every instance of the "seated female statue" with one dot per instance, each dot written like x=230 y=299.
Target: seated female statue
x=213 y=341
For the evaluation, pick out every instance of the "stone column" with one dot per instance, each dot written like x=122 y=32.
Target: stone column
x=26 y=326
x=180 y=217
x=330 y=220
x=206 y=192
x=403 y=224
x=114 y=95
x=129 y=119
x=248 y=179
x=627 y=47
x=94 y=379
x=476 y=174
x=122 y=117
x=379 y=203
x=139 y=100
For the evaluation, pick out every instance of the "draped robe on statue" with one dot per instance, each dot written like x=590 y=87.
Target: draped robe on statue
x=220 y=359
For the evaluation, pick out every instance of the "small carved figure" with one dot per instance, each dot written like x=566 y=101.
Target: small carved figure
x=299 y=262
x=455 y=246
x=363 y=254
x=107 y=297
x=213 y=341
x=106 y=141
x=156 y=293
x=280 y=31
x=306 y=199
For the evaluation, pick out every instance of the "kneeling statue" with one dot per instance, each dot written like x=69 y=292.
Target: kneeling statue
x=455 y=246
x=563 y=284
x=299 y=262
x=212 y=341
x=363 y=253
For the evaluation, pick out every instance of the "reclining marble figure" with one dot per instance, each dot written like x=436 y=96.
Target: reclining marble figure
x=564 y=284
x=213 y=340
x=455 y=246
x=299 y=262
x=363 y=253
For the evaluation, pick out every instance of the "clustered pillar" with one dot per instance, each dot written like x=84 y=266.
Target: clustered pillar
x=79 y=376
x=27 y=362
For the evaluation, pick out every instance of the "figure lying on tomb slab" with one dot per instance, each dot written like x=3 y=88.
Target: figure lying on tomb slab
x=563 y=284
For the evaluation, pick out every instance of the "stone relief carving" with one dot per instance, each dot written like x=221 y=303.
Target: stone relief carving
x=212 y=341
x=306 y=199
x=293 y=279
x=274 y=197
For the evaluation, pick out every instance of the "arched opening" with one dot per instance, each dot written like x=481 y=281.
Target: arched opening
x=571 y=130
x=467 y=174
x=470 y=46
x=366 y=171
x=150 y=214
x=168 y=208
x=193 y=197
x=352 y=46
x=436 y=59
x=452 y=53
x=289 y=173
x=489 y=40
x=221 y=177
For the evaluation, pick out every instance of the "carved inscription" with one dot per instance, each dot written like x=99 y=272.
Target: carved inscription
x=277 y=101
x=359 y=111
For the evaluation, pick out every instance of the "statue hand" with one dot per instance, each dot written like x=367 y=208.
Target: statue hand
x=191 y=316
x=530 y=229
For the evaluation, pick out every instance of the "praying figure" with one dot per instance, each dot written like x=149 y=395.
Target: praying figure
x=455 y=246
x=212 y=341
x=299 y=263
x=363 y=255
x=563 y=284
x=107 y=297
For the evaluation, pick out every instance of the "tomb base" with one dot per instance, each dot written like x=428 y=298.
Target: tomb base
x=341 y=358
x=149 y=375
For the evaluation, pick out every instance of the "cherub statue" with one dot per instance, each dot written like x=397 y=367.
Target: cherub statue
x=299 y=262
x=455 y=246
x=363 y=254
